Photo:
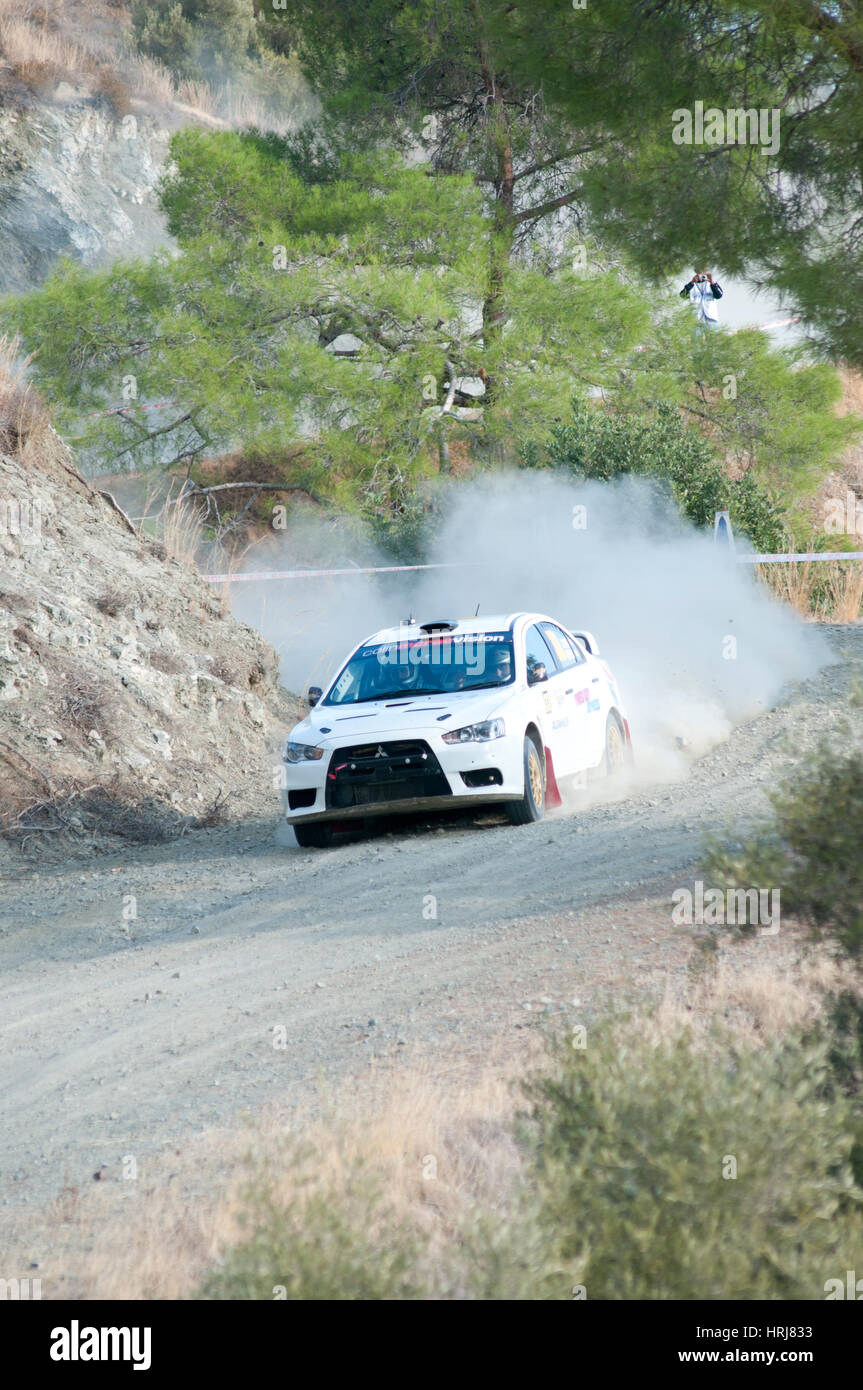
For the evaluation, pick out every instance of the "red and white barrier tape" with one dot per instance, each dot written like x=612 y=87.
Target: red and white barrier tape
x=321 y=574
x=252 y=576
x=780 y=323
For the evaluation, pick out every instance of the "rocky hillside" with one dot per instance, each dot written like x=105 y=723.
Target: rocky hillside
x=76 y=181
x=85 y=121
x=131 y=703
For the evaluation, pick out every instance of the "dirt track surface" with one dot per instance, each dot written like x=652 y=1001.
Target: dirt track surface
x=122 y=1035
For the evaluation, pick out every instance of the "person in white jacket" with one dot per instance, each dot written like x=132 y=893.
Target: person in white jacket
x=703 y=292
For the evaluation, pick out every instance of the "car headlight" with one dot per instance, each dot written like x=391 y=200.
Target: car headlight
x=301 y=753
x=476 y=733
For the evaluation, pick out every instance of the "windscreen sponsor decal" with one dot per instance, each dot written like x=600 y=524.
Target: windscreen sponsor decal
x=450 y=649
x=343 y=684
x=611 y=685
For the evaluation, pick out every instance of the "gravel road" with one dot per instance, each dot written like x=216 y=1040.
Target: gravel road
x=175 y=986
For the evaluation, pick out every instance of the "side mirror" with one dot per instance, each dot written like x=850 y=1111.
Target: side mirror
x=315 y=693
x=537 y=673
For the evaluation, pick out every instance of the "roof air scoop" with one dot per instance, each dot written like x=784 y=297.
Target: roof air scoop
x=439 y=625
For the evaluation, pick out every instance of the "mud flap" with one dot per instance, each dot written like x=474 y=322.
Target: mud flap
x=552 y=790
x=630 y=751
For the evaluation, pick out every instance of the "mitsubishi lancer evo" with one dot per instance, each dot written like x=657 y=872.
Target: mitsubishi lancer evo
x=430 y=716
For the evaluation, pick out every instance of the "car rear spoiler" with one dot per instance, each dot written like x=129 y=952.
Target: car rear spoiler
x=588 y=641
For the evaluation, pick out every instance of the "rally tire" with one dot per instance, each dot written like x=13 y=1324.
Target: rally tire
x=531 y=807
x=317 y=835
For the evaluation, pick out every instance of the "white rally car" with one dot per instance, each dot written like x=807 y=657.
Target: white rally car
x=429 y=715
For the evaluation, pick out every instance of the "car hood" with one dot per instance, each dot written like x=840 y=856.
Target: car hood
x=424 y=715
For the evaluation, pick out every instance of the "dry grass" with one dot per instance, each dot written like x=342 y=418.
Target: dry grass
x=112 y=601
x=25 y=425
x=227 y=562
x=40 y=55
x=754 y=1000
x=828 y=591
x=114 y=91
x=45 y=43
x=845 y=586
x=182 y=529
x=24 y=44
x=437 y=1151
x=172 y=525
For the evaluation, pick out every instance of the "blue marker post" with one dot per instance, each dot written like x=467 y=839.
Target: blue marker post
x=722 y=532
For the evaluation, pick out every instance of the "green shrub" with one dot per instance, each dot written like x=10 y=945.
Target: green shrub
x=843 y=1032
x=810 y=849
x=653 y=1169
x=315 y=1248
x=635 y=1141
x=205 y=40
x=598 y=444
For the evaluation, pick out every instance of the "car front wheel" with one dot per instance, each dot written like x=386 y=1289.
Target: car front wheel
x=531 y=807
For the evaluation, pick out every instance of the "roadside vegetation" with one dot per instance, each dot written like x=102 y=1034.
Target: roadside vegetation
x=652 y=1165
x=601 y=445
x=673 y=1153
x=542 y=1172
x=810 y=845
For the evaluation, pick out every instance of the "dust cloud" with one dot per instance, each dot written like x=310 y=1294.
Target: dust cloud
x=696 y=643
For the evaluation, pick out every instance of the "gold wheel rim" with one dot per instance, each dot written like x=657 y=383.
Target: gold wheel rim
x=615 y=749
x=535 y=772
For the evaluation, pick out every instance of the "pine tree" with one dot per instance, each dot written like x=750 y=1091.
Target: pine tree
x=784 y=210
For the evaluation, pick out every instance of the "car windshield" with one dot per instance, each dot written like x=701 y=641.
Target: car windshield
x=442 y=664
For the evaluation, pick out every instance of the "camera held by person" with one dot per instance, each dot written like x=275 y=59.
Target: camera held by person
x=703 y=292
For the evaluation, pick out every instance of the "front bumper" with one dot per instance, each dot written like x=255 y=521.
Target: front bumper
x=401 y=775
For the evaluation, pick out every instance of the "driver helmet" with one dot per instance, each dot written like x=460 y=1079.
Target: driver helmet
x=501 y=664
x=406 y=674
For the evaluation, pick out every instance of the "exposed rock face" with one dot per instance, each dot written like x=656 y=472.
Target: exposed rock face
x=76 y=180
x=124 y=682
